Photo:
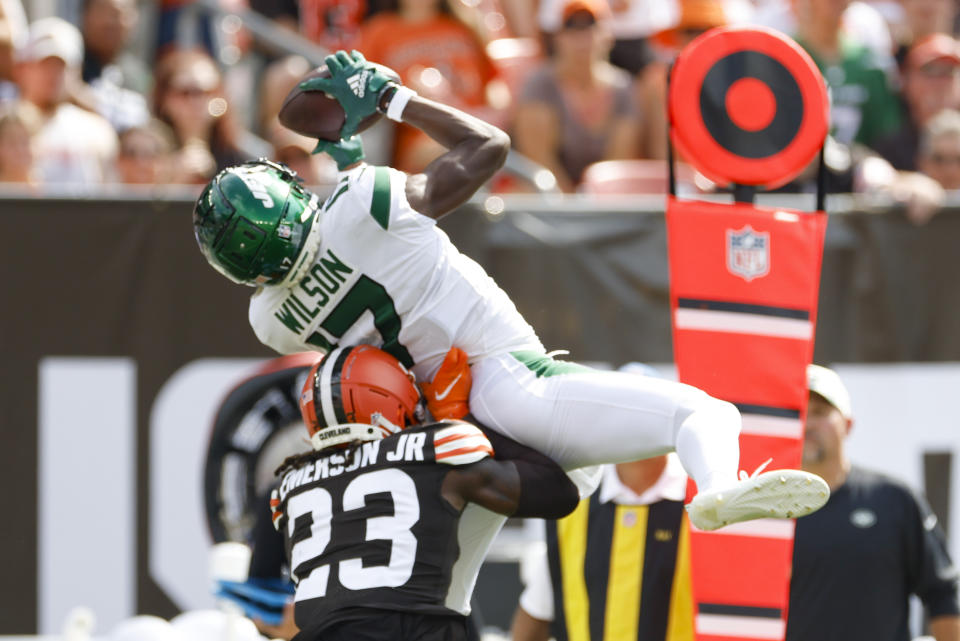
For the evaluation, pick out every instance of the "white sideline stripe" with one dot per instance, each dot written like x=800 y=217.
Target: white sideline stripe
x=742 y=323
x=763 y=425
x=741 y=627
x=86 y=489
x=466 y=441
x=764 y=528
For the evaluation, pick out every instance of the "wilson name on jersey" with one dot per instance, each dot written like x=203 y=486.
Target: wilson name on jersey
x=385 y=274
x=369 y=528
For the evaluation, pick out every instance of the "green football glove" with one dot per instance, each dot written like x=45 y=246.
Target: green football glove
x=356 y=85
x=345 y=152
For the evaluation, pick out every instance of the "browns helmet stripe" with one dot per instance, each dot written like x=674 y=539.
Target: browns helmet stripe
x=336 y=388
x=326 y=416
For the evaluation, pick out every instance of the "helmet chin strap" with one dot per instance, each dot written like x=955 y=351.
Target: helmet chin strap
x=310 y=248
x=344 y=433
x=348 y=432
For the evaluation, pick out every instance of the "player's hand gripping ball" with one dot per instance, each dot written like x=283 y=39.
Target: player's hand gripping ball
x=338 y=99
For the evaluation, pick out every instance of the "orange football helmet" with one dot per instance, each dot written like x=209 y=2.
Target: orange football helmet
x=359 y=386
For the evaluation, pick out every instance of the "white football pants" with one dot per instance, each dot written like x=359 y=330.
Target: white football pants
x=594 y=417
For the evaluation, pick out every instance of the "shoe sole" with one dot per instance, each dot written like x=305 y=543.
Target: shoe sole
x=778 y=494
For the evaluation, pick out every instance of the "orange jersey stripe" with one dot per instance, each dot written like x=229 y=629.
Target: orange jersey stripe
x=452 y=437
x=466 y=450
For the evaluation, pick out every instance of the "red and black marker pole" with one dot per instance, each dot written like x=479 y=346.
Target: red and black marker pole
x=748 y=109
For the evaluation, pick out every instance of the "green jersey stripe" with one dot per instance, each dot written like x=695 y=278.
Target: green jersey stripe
x=380 y=206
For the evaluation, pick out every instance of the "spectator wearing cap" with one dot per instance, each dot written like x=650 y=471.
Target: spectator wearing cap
x=74 y=147
x=922 y=18
x=931 y=83
x=695 y=18
x=864 y=105
x=577 y=108
x=632 y=23
x=939 y=155
x=857 y=560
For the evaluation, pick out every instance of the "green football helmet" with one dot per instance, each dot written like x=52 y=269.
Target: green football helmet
x=256 y=224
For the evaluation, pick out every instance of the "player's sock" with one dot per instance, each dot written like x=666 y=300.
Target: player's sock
x=708 y=444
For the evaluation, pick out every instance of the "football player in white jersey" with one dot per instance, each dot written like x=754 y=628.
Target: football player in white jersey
x=369 y=265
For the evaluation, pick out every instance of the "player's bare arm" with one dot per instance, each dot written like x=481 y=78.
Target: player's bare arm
x=530 y=485
x=476 y=151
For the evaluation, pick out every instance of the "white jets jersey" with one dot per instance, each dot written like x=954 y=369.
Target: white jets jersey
x=384 y=274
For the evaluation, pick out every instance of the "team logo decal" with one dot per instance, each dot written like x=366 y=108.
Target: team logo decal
x=748 y=106
x=748 y=253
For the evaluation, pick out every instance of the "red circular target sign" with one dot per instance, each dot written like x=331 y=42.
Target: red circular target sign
x=747 y=105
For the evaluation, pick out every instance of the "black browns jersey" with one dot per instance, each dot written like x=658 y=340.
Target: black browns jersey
x=368 y=527
x=857 y=560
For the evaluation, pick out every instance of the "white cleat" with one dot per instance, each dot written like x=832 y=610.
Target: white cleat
x=779 y=494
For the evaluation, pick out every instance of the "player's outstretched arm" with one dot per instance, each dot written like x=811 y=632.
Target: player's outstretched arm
x=476 y=151
x=528 y=485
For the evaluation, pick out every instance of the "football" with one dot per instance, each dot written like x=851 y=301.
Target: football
x=318 y=115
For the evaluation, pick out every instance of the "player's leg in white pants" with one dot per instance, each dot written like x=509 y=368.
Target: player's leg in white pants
x=586 y=417
x=590 y=417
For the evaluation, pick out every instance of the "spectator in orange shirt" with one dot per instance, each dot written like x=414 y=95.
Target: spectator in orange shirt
x=437 y=54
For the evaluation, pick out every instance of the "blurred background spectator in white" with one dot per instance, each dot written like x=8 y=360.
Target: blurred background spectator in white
x=119 y=80
x=74 y=147
x=577 y=108
x=8 y=89
x=18 y=124
x=931 y=83
x=939 y=153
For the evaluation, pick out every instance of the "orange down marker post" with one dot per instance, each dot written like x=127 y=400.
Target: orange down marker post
x=748 y=109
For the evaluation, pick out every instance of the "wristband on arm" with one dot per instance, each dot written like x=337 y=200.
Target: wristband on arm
x=394 y=101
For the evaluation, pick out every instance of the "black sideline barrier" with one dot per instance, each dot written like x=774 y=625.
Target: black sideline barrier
x=124 y=278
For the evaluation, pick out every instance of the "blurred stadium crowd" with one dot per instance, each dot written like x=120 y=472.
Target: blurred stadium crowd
x=143 y=93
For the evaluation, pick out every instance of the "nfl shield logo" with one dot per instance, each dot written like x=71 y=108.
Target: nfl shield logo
x=748 y=253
